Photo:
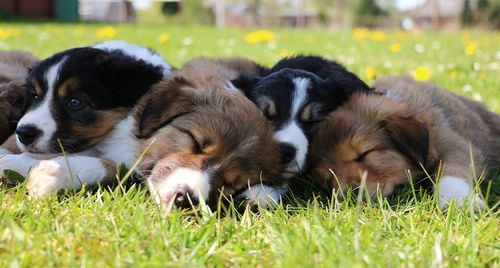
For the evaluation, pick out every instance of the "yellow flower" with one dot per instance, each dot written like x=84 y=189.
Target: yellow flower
x=107 y=32
x=422 y=73
x=260 y=37
x=285 y=53
x=370 y=73
x=471 y=48
x=360 y=33
x=164 y=38
x=453 y=74
x=377 y=36
x=6 y=33
x=395 y=47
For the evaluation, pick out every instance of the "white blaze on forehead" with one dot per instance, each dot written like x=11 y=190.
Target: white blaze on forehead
x=41 y=117
x=136 y=51
x=198 y=182
x=291 y=132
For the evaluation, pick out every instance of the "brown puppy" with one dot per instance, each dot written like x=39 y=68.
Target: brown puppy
x=14 y=67
x=407 y=126
x=207 y=138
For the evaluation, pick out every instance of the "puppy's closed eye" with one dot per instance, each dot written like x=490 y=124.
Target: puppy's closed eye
x=268 y=107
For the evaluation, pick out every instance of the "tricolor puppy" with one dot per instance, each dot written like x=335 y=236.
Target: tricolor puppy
x=409 y=125
x=80 y=102
x=14 y=66
x=295 y=95
x=208 y=140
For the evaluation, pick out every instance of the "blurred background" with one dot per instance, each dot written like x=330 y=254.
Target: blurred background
x=408 y=15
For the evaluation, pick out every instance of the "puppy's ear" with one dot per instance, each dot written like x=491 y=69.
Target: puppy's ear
x=410 y=136
x=246 y=83
x=168 y=100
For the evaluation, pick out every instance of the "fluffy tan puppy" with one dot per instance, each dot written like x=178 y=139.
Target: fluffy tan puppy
x=403 y=127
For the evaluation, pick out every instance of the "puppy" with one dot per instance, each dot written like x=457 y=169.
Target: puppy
x=408 y=126
x=14 y=67
x=80 y=103
x=208 y=140
x=295 y=95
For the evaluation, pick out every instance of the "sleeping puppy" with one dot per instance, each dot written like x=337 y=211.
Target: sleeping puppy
x=408 y=126
x=80 y=102
x=295 y=95
x=14 y=67
x=208 y=140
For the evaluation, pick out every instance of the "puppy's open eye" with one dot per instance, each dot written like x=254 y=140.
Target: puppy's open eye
x=34 y=96
x=75 y=104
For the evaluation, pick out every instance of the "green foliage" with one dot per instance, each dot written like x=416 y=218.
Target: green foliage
x=467 y=16
x=123 y=227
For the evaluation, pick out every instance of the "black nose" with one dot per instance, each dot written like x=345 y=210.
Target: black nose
x=287 y=152
x=184 y=197
x=27 y=134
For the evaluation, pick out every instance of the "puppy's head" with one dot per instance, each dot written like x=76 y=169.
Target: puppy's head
x=13 y=71
x=78 y=96
x=373 y=134
x=208 y=141
x=295 y=101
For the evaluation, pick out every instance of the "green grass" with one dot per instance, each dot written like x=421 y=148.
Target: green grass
x=125 y=228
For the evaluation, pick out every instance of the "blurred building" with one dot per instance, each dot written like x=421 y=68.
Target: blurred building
x=437 y=14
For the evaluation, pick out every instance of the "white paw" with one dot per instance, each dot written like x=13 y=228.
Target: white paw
x=20 y=163
x=262 y=195
x=458 y=191
x=47 y=178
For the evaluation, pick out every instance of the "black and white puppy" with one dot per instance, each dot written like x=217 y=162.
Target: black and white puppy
x=81 y=101
x=296 y=94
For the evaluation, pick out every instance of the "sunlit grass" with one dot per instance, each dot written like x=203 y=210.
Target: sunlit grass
x=123 y=226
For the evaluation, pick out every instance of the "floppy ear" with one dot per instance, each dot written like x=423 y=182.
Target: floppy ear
x=162 y=105
x=410 y=136
x=246 y=84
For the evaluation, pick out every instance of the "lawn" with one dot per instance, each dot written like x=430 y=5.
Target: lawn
x=123 y=226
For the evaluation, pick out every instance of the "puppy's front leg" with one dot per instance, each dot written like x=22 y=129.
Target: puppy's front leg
x=20 y=163
x=68 y=173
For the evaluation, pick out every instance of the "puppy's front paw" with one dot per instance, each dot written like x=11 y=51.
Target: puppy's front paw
x=47 y=178
x=458 y=191
x=262 y=195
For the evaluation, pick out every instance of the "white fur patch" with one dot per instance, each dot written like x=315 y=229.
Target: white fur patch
x=136 y=51
x=262 y=195
x=294 y=135
x=50 y=176
x=197 y=180
x=4 y=152
x=41 y=117
x=291 y=132
x=457 y=190
x=20 y=163
x=121 y=146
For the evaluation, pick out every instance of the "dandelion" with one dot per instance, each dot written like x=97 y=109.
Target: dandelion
x=6 y=33
x=360 y=33
x=422 y=73
x=453 y=74
x=107 y=32
x=370 y=73
x=260 y=37
x=377 y=36
x=164 y=38
x=395 y=47
x=471 y=48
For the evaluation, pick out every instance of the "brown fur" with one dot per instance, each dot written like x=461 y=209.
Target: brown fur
x=233 y=140
x=387 y=136
x=14 y=67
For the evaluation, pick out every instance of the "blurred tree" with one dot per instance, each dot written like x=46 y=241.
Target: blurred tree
x=366 y=12
x=467 y=17
x=483 y=5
